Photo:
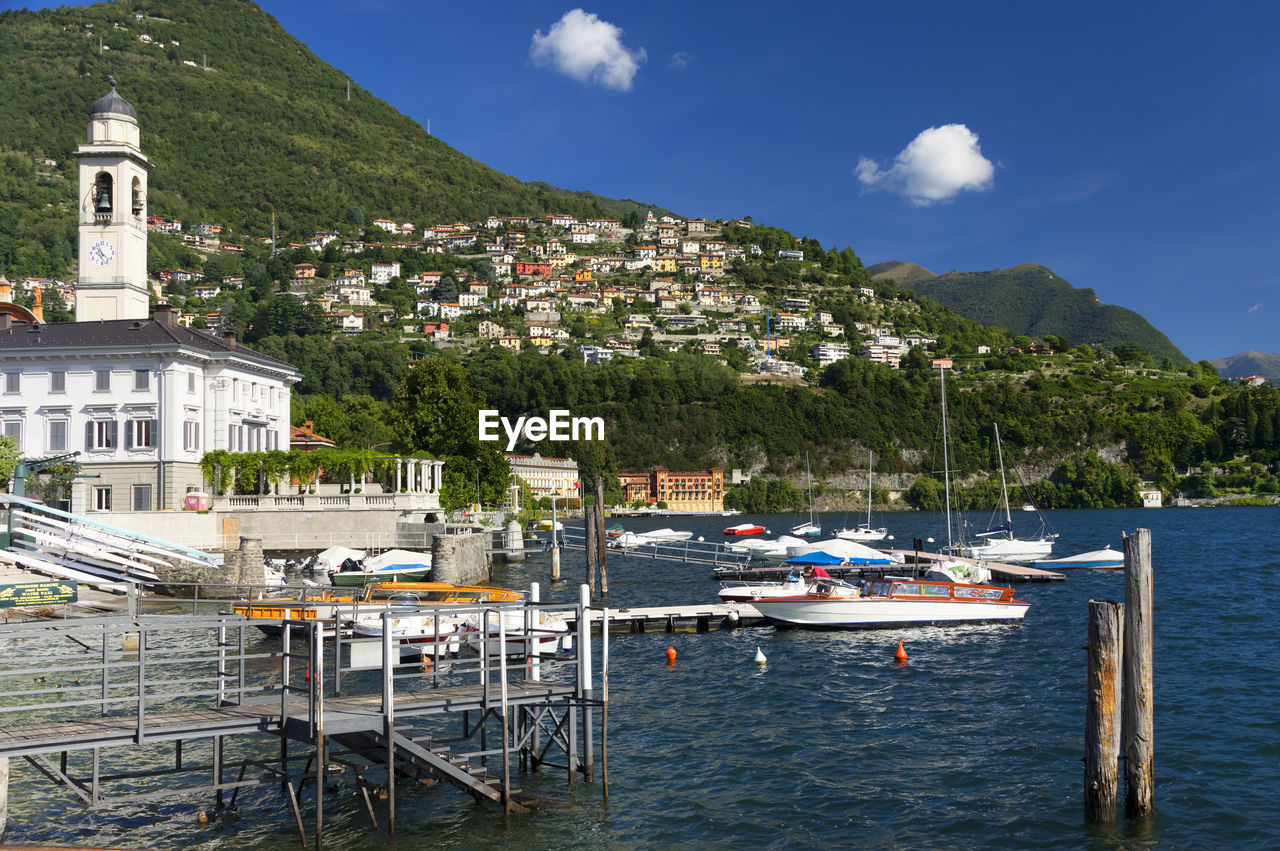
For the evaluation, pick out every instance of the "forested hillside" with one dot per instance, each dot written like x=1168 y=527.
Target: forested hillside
x=1029 y=299
x=241 y=121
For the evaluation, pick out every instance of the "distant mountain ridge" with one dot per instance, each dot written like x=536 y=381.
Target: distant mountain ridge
x=1030 y=299
x=1246 y=364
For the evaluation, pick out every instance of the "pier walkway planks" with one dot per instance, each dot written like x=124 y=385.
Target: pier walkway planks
x=341 y=715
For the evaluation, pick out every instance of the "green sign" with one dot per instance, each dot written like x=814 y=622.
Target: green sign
x=38 y=594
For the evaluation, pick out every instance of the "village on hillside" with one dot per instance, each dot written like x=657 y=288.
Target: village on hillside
x=666 y=282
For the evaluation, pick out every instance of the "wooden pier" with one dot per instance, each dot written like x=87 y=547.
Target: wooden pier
x=698 y=618
x=184 y=688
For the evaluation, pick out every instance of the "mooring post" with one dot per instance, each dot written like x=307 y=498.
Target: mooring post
x=584 y=674
x=1102 y=711
x=589 y=522
x=555 y=543
x=601 y=539
x=1139 y=698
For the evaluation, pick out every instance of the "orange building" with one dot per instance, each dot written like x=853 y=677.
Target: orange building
x=680 y=491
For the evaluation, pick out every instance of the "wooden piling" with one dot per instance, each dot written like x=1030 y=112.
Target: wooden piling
x=1138 y=737
x=590 y=552
x=601 y=538
x=1102 y=713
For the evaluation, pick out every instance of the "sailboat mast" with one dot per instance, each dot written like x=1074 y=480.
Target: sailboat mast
x=871 y=460
x=1004 y=489
x=809 y=480
x=946 y=464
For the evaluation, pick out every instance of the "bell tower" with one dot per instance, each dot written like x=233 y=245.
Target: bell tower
x=112 y=215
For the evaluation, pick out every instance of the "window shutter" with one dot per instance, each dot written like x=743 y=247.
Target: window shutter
x=197 y=446
x=155 y=433
x=115 y=434
x=88 y=436
x=128 y=434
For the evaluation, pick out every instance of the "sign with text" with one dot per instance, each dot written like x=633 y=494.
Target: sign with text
x=38 y=594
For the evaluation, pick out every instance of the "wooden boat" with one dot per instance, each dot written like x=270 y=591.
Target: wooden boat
x=745 y=529
x=892 y=602
x=315 y=602
x=412 y=615
x=1103 y=559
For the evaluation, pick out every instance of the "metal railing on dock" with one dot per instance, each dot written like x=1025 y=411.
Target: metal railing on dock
x=79 y=697
x=709 y=553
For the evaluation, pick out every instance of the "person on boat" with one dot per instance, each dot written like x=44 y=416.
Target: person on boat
x=815 y=572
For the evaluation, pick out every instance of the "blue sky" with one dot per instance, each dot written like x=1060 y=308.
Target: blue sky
x=1129 y=147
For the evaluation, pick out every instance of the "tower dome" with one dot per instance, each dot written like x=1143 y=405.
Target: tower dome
x=112 y=104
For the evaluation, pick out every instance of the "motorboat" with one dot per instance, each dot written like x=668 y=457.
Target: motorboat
x=745 y=529
x=644 y=539
x=959 y=570
x=749 y=592
x=1103 y=559
x=865 y=533
x=890 y=602
x=528 y=631
x=762 y=549
x=390 y=566
x=417 y=614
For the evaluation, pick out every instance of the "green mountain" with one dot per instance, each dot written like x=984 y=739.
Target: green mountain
x=1249 y=363
x=1031 y=300
x=902 y=274
x=241 y=121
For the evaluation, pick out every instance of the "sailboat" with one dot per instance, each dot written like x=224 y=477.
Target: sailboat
x=810 y=529
x=865 y=533
x=953 y=569
x=998 y=542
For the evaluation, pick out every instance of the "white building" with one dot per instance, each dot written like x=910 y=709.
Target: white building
x=828 y=353
x=382 y=273
x=139 y=399
x=546 y=476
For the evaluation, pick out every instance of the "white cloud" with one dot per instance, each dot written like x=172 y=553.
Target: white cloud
x=1256 y=308
x=936 y=166
x=582 y=46
x=679 y=60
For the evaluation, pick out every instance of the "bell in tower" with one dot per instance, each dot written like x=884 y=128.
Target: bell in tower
x=102 y=191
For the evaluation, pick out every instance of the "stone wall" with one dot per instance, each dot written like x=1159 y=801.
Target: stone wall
x=239 y=567
x=461 y=559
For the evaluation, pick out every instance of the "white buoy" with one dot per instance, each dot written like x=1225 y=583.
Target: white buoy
x=890 y=537
x=930 y=540
x=760 y=660
x=700 y=538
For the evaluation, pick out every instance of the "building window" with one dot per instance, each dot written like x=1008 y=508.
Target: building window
x=191 y=382
x=102 y=380
x=142 y=379
x=142 y=497
x=102 y=435
x=13 y=428
x=58 y=435
x=102 y=499
x=58 y=381
x=140 y=434
x=13 y=382
x=191 y=436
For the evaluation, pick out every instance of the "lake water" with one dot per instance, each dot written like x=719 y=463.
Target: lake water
x=977 y=740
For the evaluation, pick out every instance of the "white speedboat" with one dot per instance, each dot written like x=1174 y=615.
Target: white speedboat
x=957 y=570
x=546 y=634
x=762 y=549
x=1103 y=559
x=431 y=633
x=644 y=539
x=749 y=592
x=882 y=603
x=841 y=552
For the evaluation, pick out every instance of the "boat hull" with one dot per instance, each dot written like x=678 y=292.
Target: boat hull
x=360 y=578
x=863 y=535
x=873 y=613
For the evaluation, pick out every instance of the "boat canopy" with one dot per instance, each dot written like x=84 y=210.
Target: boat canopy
x=1002 y=529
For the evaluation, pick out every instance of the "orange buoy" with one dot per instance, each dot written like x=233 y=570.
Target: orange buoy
x=900 y=655
x=307 y=678
x=671 y=654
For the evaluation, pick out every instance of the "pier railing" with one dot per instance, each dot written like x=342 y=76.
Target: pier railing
x=710 y=553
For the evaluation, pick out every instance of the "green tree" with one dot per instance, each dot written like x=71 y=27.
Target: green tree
x=437 y=411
